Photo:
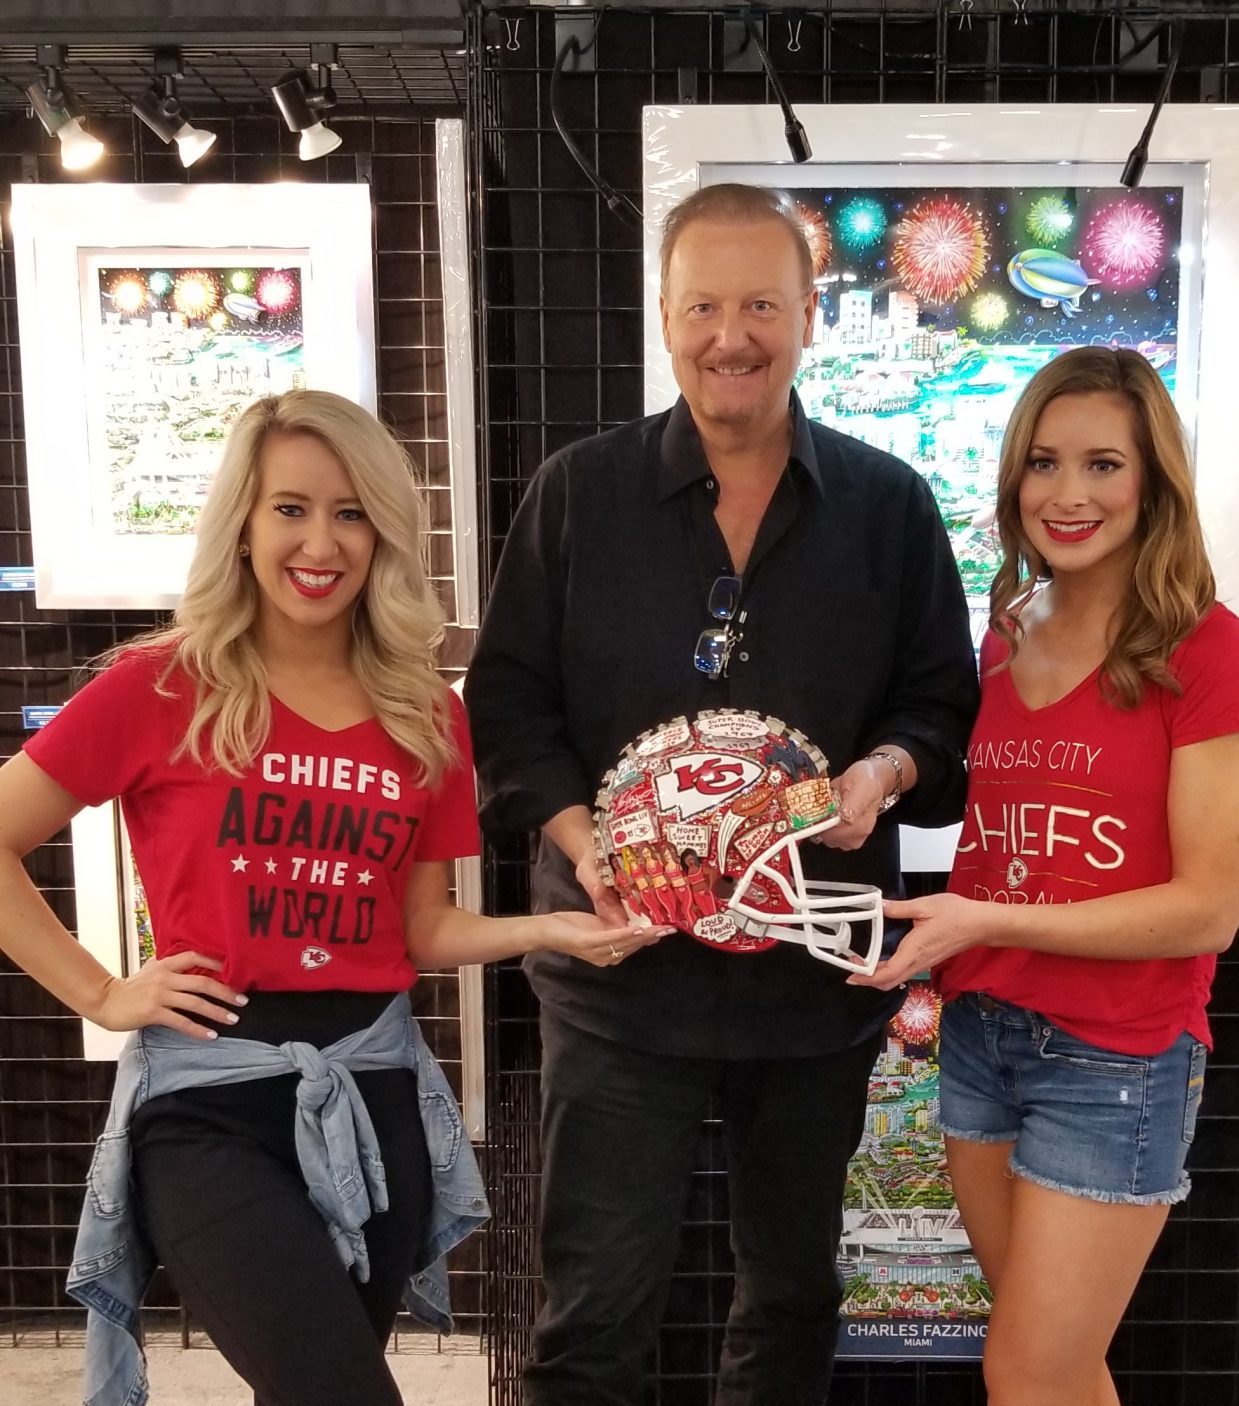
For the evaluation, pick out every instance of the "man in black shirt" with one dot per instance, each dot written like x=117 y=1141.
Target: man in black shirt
x=855 y=632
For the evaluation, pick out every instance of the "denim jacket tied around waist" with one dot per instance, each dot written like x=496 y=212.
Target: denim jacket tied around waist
x=339 y=1157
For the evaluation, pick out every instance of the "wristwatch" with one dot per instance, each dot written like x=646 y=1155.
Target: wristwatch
x=896 y=766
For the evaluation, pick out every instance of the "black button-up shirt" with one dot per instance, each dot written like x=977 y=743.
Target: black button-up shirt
x=856 y=633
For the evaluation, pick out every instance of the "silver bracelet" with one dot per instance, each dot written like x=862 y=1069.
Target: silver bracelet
x=897 y=767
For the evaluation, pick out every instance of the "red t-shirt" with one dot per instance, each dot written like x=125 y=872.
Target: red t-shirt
x=293 y=875
x=1067 y=803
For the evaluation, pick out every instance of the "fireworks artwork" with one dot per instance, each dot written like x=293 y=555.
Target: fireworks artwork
x=989 y=311
x=917 y=1019
x=220 y=299
x=179 y=352
x=277 y=290
x=195 y=294
x=1124 y=243
x=861 y=223
x=1050 y=219
x=817 y=235
x=129 y=296
x=1095 y=257
x=939 y=302
x=940 y=249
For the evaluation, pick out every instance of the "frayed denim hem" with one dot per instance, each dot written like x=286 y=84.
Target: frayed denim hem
x=977 y=1136
x=1109 y=1198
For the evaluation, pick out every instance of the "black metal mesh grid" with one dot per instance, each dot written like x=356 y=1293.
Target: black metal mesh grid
x=108 y=78
x=52 y=1103
x=560 y=280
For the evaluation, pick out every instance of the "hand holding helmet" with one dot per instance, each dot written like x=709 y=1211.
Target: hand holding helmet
x=699 y=825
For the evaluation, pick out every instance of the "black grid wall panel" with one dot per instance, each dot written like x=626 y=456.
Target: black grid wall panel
x=52 y=1102
x=561 y=332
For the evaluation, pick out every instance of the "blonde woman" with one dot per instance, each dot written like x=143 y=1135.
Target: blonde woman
x=296 y=779
x=1097 y=875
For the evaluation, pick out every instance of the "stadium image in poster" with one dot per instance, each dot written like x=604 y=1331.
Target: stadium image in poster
x=911 y=1283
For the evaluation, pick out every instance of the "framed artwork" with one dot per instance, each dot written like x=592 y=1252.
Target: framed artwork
x=114 y=926
x=956 y=250
x=150 y=316
x=912 y=1286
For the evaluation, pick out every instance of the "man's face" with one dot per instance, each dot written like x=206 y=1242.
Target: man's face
x=736 y=315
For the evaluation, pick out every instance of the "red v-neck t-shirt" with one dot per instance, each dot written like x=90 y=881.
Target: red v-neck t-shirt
x=294 y=874
x=1067 y=803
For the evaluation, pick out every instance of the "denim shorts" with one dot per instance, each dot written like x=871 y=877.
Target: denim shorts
x=1092 y=1123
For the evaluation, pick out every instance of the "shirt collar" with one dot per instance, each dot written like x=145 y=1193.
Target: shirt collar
x=682 y=460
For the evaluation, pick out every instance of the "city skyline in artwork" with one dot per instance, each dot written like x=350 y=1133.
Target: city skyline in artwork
x=176 y=353
x=937 y=303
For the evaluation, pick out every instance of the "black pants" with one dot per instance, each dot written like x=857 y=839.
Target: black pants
x=226 y=1209
x=620 y=1131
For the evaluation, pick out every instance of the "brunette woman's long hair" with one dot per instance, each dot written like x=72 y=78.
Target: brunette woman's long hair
x=1172 y=585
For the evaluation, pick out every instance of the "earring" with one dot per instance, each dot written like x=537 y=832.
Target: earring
x=244 y=549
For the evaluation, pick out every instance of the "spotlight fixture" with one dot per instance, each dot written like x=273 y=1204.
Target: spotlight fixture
x=302 y=98
x=1138 y=157
x=164 y=113
x=58 y=108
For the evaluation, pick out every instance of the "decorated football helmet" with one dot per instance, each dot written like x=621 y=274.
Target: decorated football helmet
x=699 y=826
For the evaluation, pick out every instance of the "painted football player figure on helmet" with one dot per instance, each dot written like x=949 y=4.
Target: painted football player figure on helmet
x=740 y=793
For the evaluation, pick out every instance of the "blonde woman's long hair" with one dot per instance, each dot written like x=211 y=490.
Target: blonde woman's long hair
x=1172 y=584
x=397 y=622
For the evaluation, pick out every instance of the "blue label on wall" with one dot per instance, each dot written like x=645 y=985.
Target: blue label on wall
x=16 y=578
x=911 y=1337
x=37 y=715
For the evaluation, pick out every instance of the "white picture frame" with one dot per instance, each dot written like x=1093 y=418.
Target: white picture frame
x=452 y=199
x=107 y=923
x=472 y=1011
x=915 y=145
x=110 y=381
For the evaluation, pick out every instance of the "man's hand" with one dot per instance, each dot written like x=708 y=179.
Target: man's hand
x=604 y=898
x=860 y=791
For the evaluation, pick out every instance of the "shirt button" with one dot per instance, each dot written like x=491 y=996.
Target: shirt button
x=744 y=656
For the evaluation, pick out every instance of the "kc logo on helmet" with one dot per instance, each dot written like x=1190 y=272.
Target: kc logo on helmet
x=700 y=781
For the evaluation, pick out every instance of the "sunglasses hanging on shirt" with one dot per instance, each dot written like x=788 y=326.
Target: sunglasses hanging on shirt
x=716 y=642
